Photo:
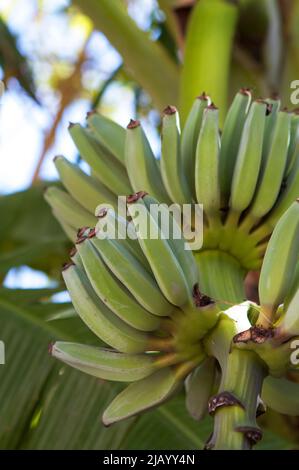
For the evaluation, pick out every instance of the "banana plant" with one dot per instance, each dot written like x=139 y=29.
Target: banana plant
x=164 y=310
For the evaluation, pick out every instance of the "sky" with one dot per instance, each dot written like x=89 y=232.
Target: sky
x=23 y=123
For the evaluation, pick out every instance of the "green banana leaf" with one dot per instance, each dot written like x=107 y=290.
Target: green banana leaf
x=48 y=406
x=147 y=61
x=13 y=62
x=29 y=234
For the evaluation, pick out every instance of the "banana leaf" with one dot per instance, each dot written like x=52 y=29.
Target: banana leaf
x=147 y=61
x=45 y=405
x=29 y=233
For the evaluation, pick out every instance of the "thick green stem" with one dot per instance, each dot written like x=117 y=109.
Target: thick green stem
x=243 y=377
x=209 y=41
x=222 y=277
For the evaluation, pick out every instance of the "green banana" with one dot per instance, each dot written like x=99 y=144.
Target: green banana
x=279 y=265
x=144 y=394
x=171 y=160
x=293 y=289
x=75 y=258
x=105 y=363
x=294 y=140
x=199 y=387
x=164 y=264
x=273 y=171
x=138 y=280
x=190 y=135
x=142 y=166
x=107 y=326
x=207 y=162
x=69 y=210
x=270 y=122
x=289 y=192
x=291 y=162
x=114 y=226
x=230 y=141
x=112 y=292
x=105 y=167
x=249 y=157
x=110 y=134
x=83 y=188
x=290 y=320
x=173 y=234
x=281 y=395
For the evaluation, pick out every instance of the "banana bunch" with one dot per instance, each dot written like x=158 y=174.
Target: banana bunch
x=140 y=297
x=245 y=176
x=274 y=334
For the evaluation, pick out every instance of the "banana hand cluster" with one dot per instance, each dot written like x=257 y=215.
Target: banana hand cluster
x=245 y=176
x=140 y=297
x=274 y=334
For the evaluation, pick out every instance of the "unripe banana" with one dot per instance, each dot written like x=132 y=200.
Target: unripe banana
x=207 y=162
x=164 y=264
x=230 y=140
x=294 y=141
x=138 y=280
x=84 y=189
x=76 y=258
x=110 y=134
x=292 y=161
x=199 y=387
x=105 y=167
x=279 y=264
x=281 y=395
x=142 y=166
x=146 y=393
x=112 y=292
x=100 y=320
x=289 y=192
x=249 y=157
x=175 y=238
x=273 y=171
x=293 y=289
x=290 y=321
x=271 y=117
x=68 y=209
x=105 y=363
x=171 y=158
x=116 y=227
x=189 y=138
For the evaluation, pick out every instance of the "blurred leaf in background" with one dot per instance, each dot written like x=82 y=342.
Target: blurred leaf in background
x=29 y=234
x=13 y=62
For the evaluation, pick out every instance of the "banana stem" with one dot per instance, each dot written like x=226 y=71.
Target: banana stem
x=242 y=377
x=242 y=373
x=266 y=317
